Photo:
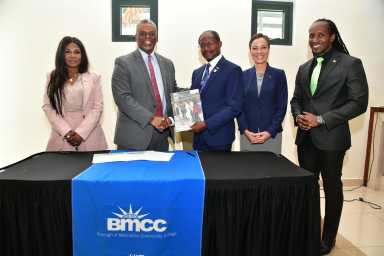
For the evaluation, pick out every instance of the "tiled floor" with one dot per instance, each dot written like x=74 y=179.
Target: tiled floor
x=361 y=230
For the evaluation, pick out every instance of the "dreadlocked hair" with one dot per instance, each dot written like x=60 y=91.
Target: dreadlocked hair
x=338 y=43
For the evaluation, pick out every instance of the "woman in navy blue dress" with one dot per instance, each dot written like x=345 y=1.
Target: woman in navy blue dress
x=265 y=101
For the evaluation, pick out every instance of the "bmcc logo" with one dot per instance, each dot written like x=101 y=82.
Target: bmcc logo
x=135 y=222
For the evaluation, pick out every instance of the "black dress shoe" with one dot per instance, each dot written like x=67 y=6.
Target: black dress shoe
x=326 y=248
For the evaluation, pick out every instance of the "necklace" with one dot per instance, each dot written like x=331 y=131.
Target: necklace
x=73 y=79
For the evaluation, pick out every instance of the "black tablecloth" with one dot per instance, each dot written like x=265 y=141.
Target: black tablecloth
x=256 y=203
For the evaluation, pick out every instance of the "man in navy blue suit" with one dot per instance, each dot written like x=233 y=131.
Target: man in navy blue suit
x=220 y=85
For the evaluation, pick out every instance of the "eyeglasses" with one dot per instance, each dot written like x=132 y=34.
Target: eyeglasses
x=145 y=34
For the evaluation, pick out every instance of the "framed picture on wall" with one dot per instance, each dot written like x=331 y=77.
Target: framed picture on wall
x=126 y=14
x=274 y=19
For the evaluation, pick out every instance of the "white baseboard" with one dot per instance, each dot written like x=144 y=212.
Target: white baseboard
x=352 y=182
x=348 y=182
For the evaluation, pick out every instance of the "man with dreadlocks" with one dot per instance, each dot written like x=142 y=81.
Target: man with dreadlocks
x=330 y=89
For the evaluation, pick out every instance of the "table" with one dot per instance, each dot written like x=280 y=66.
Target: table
x=256 y=203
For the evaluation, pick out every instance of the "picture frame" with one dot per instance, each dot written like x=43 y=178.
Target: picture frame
x=274 y=19
x=126 y=14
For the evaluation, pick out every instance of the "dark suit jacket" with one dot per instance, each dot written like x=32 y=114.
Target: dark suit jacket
x=341 y=94
x=133 y=94
x=264 y=112
x=221 y=100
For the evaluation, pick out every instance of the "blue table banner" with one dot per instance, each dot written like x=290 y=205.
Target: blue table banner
x=139 y=208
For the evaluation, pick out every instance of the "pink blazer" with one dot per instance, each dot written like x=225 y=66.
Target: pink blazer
x=89 y=128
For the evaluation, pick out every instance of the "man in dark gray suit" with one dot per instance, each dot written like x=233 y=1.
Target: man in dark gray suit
x=141 y=85
x=331 y=89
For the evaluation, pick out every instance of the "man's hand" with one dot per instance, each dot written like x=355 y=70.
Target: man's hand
x=167 y=122
x=307 y=121
x=160 y=123
x=198 y=127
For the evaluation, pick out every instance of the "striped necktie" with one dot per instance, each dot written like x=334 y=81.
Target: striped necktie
x=205 y=77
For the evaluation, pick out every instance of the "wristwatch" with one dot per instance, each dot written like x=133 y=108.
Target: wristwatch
x=320 y=119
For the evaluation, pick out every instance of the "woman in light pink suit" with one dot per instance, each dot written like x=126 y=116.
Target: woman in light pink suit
x=73 y=101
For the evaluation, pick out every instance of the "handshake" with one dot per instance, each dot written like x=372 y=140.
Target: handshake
x=160 y=122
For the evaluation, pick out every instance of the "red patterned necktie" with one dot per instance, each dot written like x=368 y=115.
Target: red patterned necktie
x=155 y=88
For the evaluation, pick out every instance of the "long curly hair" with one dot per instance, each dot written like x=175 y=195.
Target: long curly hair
x=59 y=75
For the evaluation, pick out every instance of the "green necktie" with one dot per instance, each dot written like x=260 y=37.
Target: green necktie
x=316 y=74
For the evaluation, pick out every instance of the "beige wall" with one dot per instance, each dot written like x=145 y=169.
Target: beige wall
x=31 y=30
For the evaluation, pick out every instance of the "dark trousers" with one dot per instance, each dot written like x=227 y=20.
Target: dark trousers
x=158 y=142
x=200 y=145
x=329 y=164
